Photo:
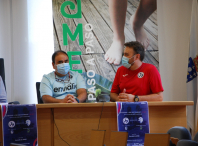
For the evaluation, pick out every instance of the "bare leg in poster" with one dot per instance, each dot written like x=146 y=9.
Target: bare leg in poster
x=118 y=10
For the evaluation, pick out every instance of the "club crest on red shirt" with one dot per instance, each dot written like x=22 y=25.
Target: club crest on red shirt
x=140 y=75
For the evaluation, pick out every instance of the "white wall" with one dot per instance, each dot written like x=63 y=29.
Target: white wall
x=173 y=36
x=26 y=44
x=41 y=42
x=21 y=63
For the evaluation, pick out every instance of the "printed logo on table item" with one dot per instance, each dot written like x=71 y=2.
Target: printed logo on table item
x=11 y=131
x=125 y=75
x=192 y=69
x=11 y=124
x=125 y=120
x=28 y=122
x=140 y=75
x=140 y=119
x=70 y=86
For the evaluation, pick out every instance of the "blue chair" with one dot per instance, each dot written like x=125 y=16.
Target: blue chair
x=179 y=132
x=196 y=137
x=187 y=143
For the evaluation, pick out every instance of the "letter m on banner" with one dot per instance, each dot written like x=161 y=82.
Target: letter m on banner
x=73 y=36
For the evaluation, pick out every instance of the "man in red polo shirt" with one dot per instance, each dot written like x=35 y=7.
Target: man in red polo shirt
x=136 y=81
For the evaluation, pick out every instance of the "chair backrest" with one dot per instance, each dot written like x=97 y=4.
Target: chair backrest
x=187 y=143
x=97 y=137
x=196 y=137
x=180 y=133
x=156 y=139
x=2 y=70
x=118 y=138
x=38 y=92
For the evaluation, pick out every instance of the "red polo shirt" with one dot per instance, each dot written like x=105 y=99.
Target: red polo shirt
x=142 y=81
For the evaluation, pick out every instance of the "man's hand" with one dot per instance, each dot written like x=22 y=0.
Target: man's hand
x=124 y=97
x=69 y=99
x=174 y=140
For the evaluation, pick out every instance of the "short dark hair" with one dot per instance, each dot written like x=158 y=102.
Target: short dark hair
x=137 y=47
x=56 y=53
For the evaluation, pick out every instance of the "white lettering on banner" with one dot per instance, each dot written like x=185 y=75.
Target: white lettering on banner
x=91 y=97
x=90 y=76
x=88 y=27
x=90 y=61
x=92 y=89
x=90 y=73
x=87 y=35
x=88 y=50
x=89 y=82
x=89 y=43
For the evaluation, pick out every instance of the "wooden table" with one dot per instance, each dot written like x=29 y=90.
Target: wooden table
x=75 y=121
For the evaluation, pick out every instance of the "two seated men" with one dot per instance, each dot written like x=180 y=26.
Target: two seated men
x=134 y=80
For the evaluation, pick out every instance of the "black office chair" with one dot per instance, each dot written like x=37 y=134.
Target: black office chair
x=40 y=101
x=180 y=133
x=2 y=71
x=187 y=143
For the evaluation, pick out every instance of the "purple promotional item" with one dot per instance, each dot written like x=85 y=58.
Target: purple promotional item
x=19 y=125
x=133 y=118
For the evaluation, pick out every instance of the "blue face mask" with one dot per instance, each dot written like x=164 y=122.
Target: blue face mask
x=63 y=68
x=125 y=61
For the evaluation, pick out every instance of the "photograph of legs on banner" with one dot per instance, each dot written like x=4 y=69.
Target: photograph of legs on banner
x=118 y=15
x=99 y=31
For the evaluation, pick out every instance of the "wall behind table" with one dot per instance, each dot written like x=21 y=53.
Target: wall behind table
x=27 y=47
x=173 y=36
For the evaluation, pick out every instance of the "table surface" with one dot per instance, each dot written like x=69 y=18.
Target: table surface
x=110 y=104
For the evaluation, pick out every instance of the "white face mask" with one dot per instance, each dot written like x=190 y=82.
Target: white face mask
x=63 y=68
x=125 y=61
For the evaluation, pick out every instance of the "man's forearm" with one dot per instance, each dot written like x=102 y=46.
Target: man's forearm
x=82 y=94
x=82 y=97
x=50 y=99
x=114 y=96
x=152 y=97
